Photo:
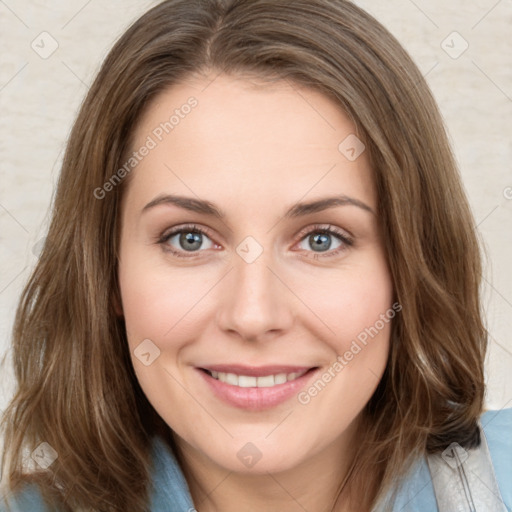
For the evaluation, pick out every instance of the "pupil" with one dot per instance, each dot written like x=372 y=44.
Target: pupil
x=190 y=239
x=320 y=239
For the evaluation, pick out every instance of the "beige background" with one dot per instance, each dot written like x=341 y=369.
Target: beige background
x=39 y=98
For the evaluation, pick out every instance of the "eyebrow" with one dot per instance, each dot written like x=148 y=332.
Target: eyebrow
x=298 y=210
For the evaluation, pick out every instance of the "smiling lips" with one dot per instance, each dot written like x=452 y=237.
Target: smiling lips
x=255 y=388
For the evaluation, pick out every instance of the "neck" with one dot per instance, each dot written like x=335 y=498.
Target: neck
x=312 y=485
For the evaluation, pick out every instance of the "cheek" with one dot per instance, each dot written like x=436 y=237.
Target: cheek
x=155 y=299
x=359 y=311
x=353 y=301
x=155 y=303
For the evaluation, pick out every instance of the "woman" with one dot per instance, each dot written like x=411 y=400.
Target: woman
x=191 y=338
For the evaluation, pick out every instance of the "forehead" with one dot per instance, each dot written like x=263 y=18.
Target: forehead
x=235 y=135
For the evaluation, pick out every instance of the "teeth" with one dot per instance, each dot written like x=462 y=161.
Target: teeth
x=280 y=378
x=230 y=378
x=266 y=382
x=246 y=381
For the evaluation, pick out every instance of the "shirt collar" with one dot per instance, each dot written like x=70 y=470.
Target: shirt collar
x=170 y=492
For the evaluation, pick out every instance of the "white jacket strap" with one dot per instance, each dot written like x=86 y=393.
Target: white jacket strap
x=464 y=480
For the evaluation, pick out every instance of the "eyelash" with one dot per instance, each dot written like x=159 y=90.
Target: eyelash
x=317 y=229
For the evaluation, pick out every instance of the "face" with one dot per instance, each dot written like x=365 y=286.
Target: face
x=258 y=316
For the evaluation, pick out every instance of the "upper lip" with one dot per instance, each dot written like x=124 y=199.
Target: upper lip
x=255 y=371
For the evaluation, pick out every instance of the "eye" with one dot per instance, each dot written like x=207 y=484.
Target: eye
x=320 y=237
x=188 y=238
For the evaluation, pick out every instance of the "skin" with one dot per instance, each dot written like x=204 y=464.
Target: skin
x=254 y=151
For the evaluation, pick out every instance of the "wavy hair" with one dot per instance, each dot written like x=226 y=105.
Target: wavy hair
x=76 y=387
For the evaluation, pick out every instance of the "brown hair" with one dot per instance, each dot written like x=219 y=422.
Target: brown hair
x=76 y=388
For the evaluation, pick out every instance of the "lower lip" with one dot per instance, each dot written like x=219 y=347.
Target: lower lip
x=256 y=399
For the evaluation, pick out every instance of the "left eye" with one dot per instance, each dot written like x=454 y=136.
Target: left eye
x=322 y=240
x=191 y=238
x=320 y=237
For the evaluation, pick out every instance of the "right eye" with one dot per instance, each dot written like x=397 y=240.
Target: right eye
x=187 y=239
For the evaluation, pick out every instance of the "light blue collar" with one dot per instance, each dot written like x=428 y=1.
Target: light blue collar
x=171 y=493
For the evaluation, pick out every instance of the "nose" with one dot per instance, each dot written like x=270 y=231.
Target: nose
x=256 y=303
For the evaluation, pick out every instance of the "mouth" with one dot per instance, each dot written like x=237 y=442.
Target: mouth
x=256 y=388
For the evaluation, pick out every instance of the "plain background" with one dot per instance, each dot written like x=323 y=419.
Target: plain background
x=463 y=48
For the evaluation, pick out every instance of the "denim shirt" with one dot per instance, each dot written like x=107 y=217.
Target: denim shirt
x=170 y=492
